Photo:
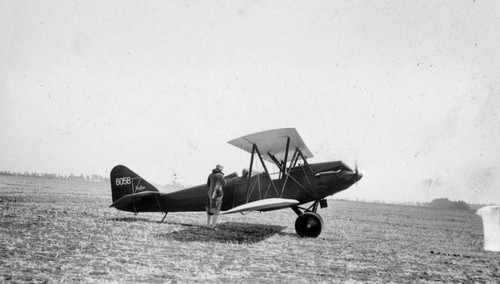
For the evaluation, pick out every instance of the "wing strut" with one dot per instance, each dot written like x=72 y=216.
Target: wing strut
x=282 y=165
x=255 y=150
x=297 y=154
x=277 y=145
x=286 y=155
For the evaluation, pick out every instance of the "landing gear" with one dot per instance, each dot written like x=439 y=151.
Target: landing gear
x=165 y=216
x=309 y=224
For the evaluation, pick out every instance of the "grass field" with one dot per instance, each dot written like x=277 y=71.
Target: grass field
x=64 y=231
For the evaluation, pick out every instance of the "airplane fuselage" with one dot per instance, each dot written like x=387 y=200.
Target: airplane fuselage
x=305 y=183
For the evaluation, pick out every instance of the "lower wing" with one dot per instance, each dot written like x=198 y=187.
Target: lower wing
x=263 y=205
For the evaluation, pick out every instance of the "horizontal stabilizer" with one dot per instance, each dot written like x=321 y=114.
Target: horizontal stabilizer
x=128 y=202
x=263 y=205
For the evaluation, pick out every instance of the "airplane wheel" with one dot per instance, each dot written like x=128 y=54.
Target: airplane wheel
x=309 y=225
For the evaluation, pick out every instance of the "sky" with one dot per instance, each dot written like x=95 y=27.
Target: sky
x=408 y=90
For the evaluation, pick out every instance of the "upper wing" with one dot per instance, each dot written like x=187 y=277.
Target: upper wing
x=263 y=205
x=273 y=142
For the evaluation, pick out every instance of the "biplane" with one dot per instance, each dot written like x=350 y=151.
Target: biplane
x=295 y=183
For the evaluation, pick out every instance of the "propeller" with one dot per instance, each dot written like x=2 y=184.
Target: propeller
x=356 y=172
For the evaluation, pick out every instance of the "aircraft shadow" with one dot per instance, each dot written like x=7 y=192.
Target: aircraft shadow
x=148 y=220
x=229 y=232
x=131 y=219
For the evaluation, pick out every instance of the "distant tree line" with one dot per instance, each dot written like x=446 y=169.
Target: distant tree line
x=93 y=177
x=445 y=203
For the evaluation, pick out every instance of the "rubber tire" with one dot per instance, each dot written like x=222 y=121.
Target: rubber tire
x=309 y=225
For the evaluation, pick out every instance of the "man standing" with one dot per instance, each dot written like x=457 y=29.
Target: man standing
x=215 y=183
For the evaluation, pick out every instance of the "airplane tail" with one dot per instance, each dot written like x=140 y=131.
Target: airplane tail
x=124 y=182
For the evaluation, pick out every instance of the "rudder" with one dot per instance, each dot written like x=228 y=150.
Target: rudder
x=124 y=182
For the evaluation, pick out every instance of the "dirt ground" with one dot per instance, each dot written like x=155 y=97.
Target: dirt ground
x=64 y=231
